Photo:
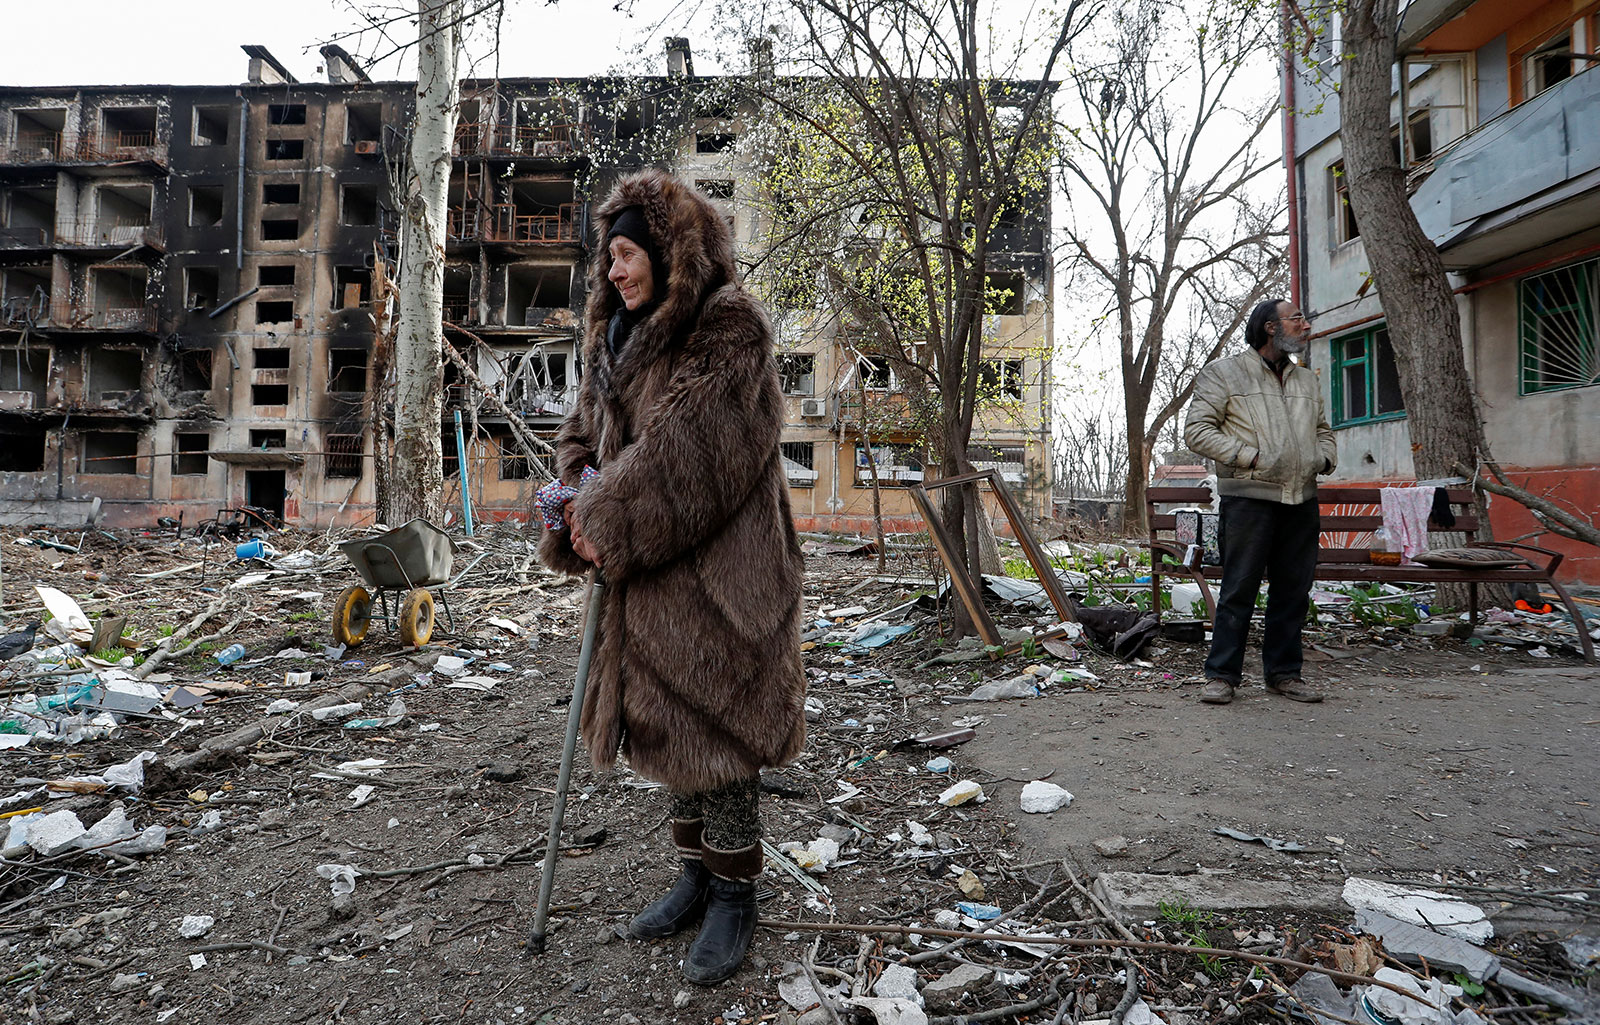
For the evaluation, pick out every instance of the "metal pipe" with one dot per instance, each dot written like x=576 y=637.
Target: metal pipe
x=238 y=247
x=552 y=846
x=461 y=467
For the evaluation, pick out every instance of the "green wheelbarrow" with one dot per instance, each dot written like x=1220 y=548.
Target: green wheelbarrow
x=398 y=566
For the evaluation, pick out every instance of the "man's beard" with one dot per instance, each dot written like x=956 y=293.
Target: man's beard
x=1291 y=344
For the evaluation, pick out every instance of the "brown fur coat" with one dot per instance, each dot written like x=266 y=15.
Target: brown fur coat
x=696 y=674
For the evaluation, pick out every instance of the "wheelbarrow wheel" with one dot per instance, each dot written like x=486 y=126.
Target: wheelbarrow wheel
x=352 y=614
x=416 y=618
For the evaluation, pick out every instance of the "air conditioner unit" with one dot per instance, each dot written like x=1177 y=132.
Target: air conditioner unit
x=367 y=148
x=813 y=407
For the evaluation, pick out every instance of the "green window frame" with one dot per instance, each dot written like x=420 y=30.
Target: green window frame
x=1366 y=383
x=1556 y=329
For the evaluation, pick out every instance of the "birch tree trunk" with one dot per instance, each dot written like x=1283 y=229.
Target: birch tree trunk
x=1424 y=325
x=417 y=481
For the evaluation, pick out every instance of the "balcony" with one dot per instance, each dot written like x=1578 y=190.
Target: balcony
x=505 y=222
x=26 y=238
x=102 y=148
x=73 y=317
x=34 y=148
x=115 y=234
x=545 y=142
x=1521 y=180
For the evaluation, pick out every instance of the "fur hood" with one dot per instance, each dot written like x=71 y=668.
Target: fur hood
x=696 y=675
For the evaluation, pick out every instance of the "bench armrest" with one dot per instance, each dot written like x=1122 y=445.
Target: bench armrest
x=1171 y=548
x=1550 y=568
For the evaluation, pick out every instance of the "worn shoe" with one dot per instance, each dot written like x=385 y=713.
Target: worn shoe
x=1216 y=692
x=686 y=900
x=1295 y=690
x=730 y=919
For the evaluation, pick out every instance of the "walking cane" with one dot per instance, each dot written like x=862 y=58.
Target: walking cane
x=574 y=713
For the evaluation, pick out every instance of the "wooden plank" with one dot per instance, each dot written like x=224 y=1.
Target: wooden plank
x=960 y=579
x=1030 y=546
x=1169 y=495
x=1163 y=521
x=1333 y=494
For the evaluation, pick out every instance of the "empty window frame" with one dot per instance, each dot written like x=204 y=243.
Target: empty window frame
x=23 y=451
x=1549 y=64
x=271 y=357
x=343 y=458
x=715 y=188
x=211 y=126
x=1366 y=383
x=799 y=462
x=264 y=439
x=110 y=452
x=1000 y=379
x=114 y=373
x=1006 y=293
x=347 y=370
x=352 y=287
x=279 y=229
x=363 y=122
x=797 y=372
x=205 y=206
x=274 y=311
x=286 y=149
x=286 y=113
x=269 y=395
x=280 y=193
x=513 y=465
x=358 y=205
x=24 y=370
x=714 y=142
x=1559 y=328
x=1342 y=213
x=194 y=369
x=190 y=456
x=275 y=275
x=201 y=286
x=875 y=373
x=534 y=289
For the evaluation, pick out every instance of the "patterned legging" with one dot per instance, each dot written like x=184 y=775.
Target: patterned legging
x=732 y=818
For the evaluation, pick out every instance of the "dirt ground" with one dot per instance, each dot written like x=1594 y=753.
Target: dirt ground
x=1428 y=760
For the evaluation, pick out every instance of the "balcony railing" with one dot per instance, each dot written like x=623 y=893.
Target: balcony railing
x=34 y=147
x=550 y=142
x=113 y=234
x=119 y=146
x=26 y=238
x=71 y=317
x=502 y=223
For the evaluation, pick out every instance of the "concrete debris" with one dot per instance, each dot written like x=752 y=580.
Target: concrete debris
x=898 y=981
x=1416 y=945
x=195 y=926
x=889 y=1010
x=960 y=793
x=1040 y=797
x=945 y=994
x=1449 y=915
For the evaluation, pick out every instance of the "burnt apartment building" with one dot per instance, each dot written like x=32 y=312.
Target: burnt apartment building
x=187 y=273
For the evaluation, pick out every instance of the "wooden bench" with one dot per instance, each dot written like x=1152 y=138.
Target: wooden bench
x=1350 y=515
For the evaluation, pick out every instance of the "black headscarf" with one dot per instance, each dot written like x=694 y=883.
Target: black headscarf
x=630 y=223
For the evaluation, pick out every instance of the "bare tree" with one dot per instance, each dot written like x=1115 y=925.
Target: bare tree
x=1163 y=186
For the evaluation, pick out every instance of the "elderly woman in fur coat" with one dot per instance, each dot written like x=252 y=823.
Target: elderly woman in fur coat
x=696 y=676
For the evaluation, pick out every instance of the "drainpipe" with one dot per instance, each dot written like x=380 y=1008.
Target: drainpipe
x=238 y=246
x=1289 y=157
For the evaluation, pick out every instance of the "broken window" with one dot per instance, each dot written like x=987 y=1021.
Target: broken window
x=194 y=370
x=264 y=439
x=363 y=122
x=538 y=211
x=358 y=205
x=1000 y=378
x=279 y=230
x=458 y=305
x=190 y=456
x=799 y=462
x=274 y=311
x=119 y=297
x=875 y=373
x=630 y=120
x=274 y=275
x=201 y=286
x=114 y=373
x=29 y=216
x=344 y=456
x=347 y=370
x=269 y=395
x=534 y=290
x=24 y=375
x=714 y=142
x=286 y=113
x=23 y=451
x=797 y=372
x=1005 y=293
x=715 y=188
x=1550 y=64
x=513 y=465
x=452 y=462
x=898 y=466
x=39 y=133
x=273 y=358
x=1345 y=228
x=286 y=149
x=1004 y=459
x=211 y=126
x=280 y=192
x=537 y=382
x=110 y=452
x=352 y=287
x=24 y=294
x=205 y=206
x=127 y=128
x=122 y=214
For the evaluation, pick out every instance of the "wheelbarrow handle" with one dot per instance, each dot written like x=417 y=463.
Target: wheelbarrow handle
x=591 y=622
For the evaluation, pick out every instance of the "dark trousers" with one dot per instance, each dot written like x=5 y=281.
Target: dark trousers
x=731 y=813
x=1279 y=542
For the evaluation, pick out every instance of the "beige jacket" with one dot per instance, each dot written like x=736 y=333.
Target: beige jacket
x=1241 y=413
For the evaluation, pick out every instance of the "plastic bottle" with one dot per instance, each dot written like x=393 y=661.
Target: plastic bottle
x=231 y=654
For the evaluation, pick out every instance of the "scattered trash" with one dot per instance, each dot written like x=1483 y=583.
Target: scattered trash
x=939 y=764
x=1439 y=911
x=341 y=878
x=1275 y=844
x=961 y=793
x=231 y=654
x=335 y=711
x=1040 y=797
x=980 y=912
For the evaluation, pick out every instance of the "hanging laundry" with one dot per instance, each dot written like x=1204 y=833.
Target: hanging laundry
x=1405 y=519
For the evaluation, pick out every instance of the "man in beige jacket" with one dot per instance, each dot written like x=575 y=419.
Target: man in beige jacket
x=1259 y=416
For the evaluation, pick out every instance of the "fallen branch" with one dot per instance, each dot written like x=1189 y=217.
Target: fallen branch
x=1562 y=522
x=1348 y=978
x=165 y=646
x=211 y=948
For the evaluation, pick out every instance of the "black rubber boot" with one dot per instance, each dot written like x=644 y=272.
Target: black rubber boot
x=730 y=920
x=686 y=900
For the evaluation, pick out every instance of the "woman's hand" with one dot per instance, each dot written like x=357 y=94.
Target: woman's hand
x=580 y=544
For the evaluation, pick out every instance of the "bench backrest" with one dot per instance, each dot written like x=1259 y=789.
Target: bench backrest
x=1349 y=516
